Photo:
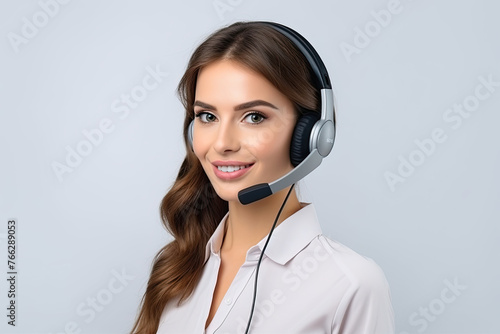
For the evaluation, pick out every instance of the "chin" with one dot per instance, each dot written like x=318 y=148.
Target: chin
x=227 y=195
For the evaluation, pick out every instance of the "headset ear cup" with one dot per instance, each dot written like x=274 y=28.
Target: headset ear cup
x=190 y=134
x=299 y=147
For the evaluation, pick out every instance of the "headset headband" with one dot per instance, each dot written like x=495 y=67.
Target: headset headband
x=321 y=77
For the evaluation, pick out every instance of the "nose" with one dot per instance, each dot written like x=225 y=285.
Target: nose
x=227 y=139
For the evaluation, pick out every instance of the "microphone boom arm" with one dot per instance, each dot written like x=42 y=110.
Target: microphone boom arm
x=262 y=190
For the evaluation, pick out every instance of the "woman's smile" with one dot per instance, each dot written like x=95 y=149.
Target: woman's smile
x=230 y=170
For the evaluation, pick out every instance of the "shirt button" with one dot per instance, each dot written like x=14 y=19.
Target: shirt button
x=228 y=301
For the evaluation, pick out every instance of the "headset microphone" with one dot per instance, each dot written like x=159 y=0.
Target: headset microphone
x=313 y=135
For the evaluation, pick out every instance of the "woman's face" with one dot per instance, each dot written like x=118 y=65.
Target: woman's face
x=242 y=129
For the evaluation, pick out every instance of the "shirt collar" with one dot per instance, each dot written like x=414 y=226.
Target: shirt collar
x=288 y=238
x=215 y=241
x=291 y=236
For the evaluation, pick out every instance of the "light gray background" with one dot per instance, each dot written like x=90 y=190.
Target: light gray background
x=77 y=234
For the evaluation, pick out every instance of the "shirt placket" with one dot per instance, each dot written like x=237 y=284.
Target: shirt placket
x=240 y=282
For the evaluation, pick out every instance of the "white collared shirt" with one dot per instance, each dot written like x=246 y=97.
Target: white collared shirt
x=307 y=284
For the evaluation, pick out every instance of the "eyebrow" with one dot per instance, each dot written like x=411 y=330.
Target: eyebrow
x=239 y=107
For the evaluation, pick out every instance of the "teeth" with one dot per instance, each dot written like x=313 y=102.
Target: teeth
x=229 y=169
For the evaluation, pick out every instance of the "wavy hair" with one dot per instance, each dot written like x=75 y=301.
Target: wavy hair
x=191 y=210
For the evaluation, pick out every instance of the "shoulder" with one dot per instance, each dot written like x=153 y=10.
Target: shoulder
x=360 y=270
x=365 y=305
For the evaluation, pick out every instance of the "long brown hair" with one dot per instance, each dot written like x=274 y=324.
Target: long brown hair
x=191 y=210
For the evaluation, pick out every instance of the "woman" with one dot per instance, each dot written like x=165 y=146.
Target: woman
x=243 y=91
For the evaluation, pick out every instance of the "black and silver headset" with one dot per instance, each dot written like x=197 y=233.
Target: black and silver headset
x=314 y=134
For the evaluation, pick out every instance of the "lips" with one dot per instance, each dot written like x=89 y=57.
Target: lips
x=230 y=170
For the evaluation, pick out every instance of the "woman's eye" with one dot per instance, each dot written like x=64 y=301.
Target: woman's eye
x=206 y=117
x=254 y=118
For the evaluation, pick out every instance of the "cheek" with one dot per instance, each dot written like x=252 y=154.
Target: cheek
x=200 y=149
x=269 y=145
x=275 y=134
x=201 y=139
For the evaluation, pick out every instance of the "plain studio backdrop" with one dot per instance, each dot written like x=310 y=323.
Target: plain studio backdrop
x=90 y=130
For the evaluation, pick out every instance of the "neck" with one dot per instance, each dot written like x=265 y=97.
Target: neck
x=248 y=224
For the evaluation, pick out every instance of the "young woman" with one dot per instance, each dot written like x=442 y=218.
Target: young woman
x=243 y=91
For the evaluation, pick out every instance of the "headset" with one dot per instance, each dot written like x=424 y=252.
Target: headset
x=313 y=135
